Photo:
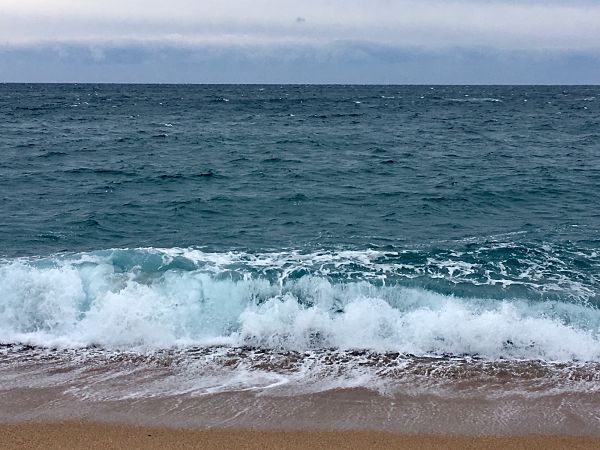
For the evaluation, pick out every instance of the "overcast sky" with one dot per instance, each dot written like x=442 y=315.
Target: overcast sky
x=308 y=41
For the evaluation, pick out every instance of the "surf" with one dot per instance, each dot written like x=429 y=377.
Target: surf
x=156 y=299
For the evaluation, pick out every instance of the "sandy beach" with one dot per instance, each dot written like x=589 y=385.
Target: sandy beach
x=77 y=435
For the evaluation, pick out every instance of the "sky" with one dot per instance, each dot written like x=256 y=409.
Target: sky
x=308 y=41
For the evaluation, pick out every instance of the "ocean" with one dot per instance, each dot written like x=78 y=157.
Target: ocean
x=247 y=255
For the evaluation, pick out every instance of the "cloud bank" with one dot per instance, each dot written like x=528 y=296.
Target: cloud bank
x=485 y=41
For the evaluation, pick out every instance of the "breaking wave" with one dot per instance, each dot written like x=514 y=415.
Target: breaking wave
x=157 y=299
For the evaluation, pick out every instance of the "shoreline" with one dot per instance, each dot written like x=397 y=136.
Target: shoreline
x=199 y=392
x=83 y=434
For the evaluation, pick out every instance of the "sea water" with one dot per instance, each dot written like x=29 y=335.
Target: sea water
x=304 y=237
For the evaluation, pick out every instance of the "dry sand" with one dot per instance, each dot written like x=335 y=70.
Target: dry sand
x=102 y=436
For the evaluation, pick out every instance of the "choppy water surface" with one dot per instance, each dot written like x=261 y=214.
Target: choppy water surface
x=270 y=236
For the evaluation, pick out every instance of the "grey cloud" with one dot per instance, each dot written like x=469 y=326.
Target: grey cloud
x=342 y=62
x=426 y=23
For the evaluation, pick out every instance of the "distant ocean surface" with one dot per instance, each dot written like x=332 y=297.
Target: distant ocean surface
x=350 y=234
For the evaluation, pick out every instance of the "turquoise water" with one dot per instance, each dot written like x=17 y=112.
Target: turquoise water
x=425 y=220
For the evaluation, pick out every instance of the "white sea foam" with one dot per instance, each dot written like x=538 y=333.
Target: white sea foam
x=90 y=299
x=476 y=99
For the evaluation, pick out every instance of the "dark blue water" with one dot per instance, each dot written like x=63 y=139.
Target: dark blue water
x=489 y=195
x=95 y=166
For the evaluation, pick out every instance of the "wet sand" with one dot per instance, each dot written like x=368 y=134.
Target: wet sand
x=76 y=435
x=100 y=401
